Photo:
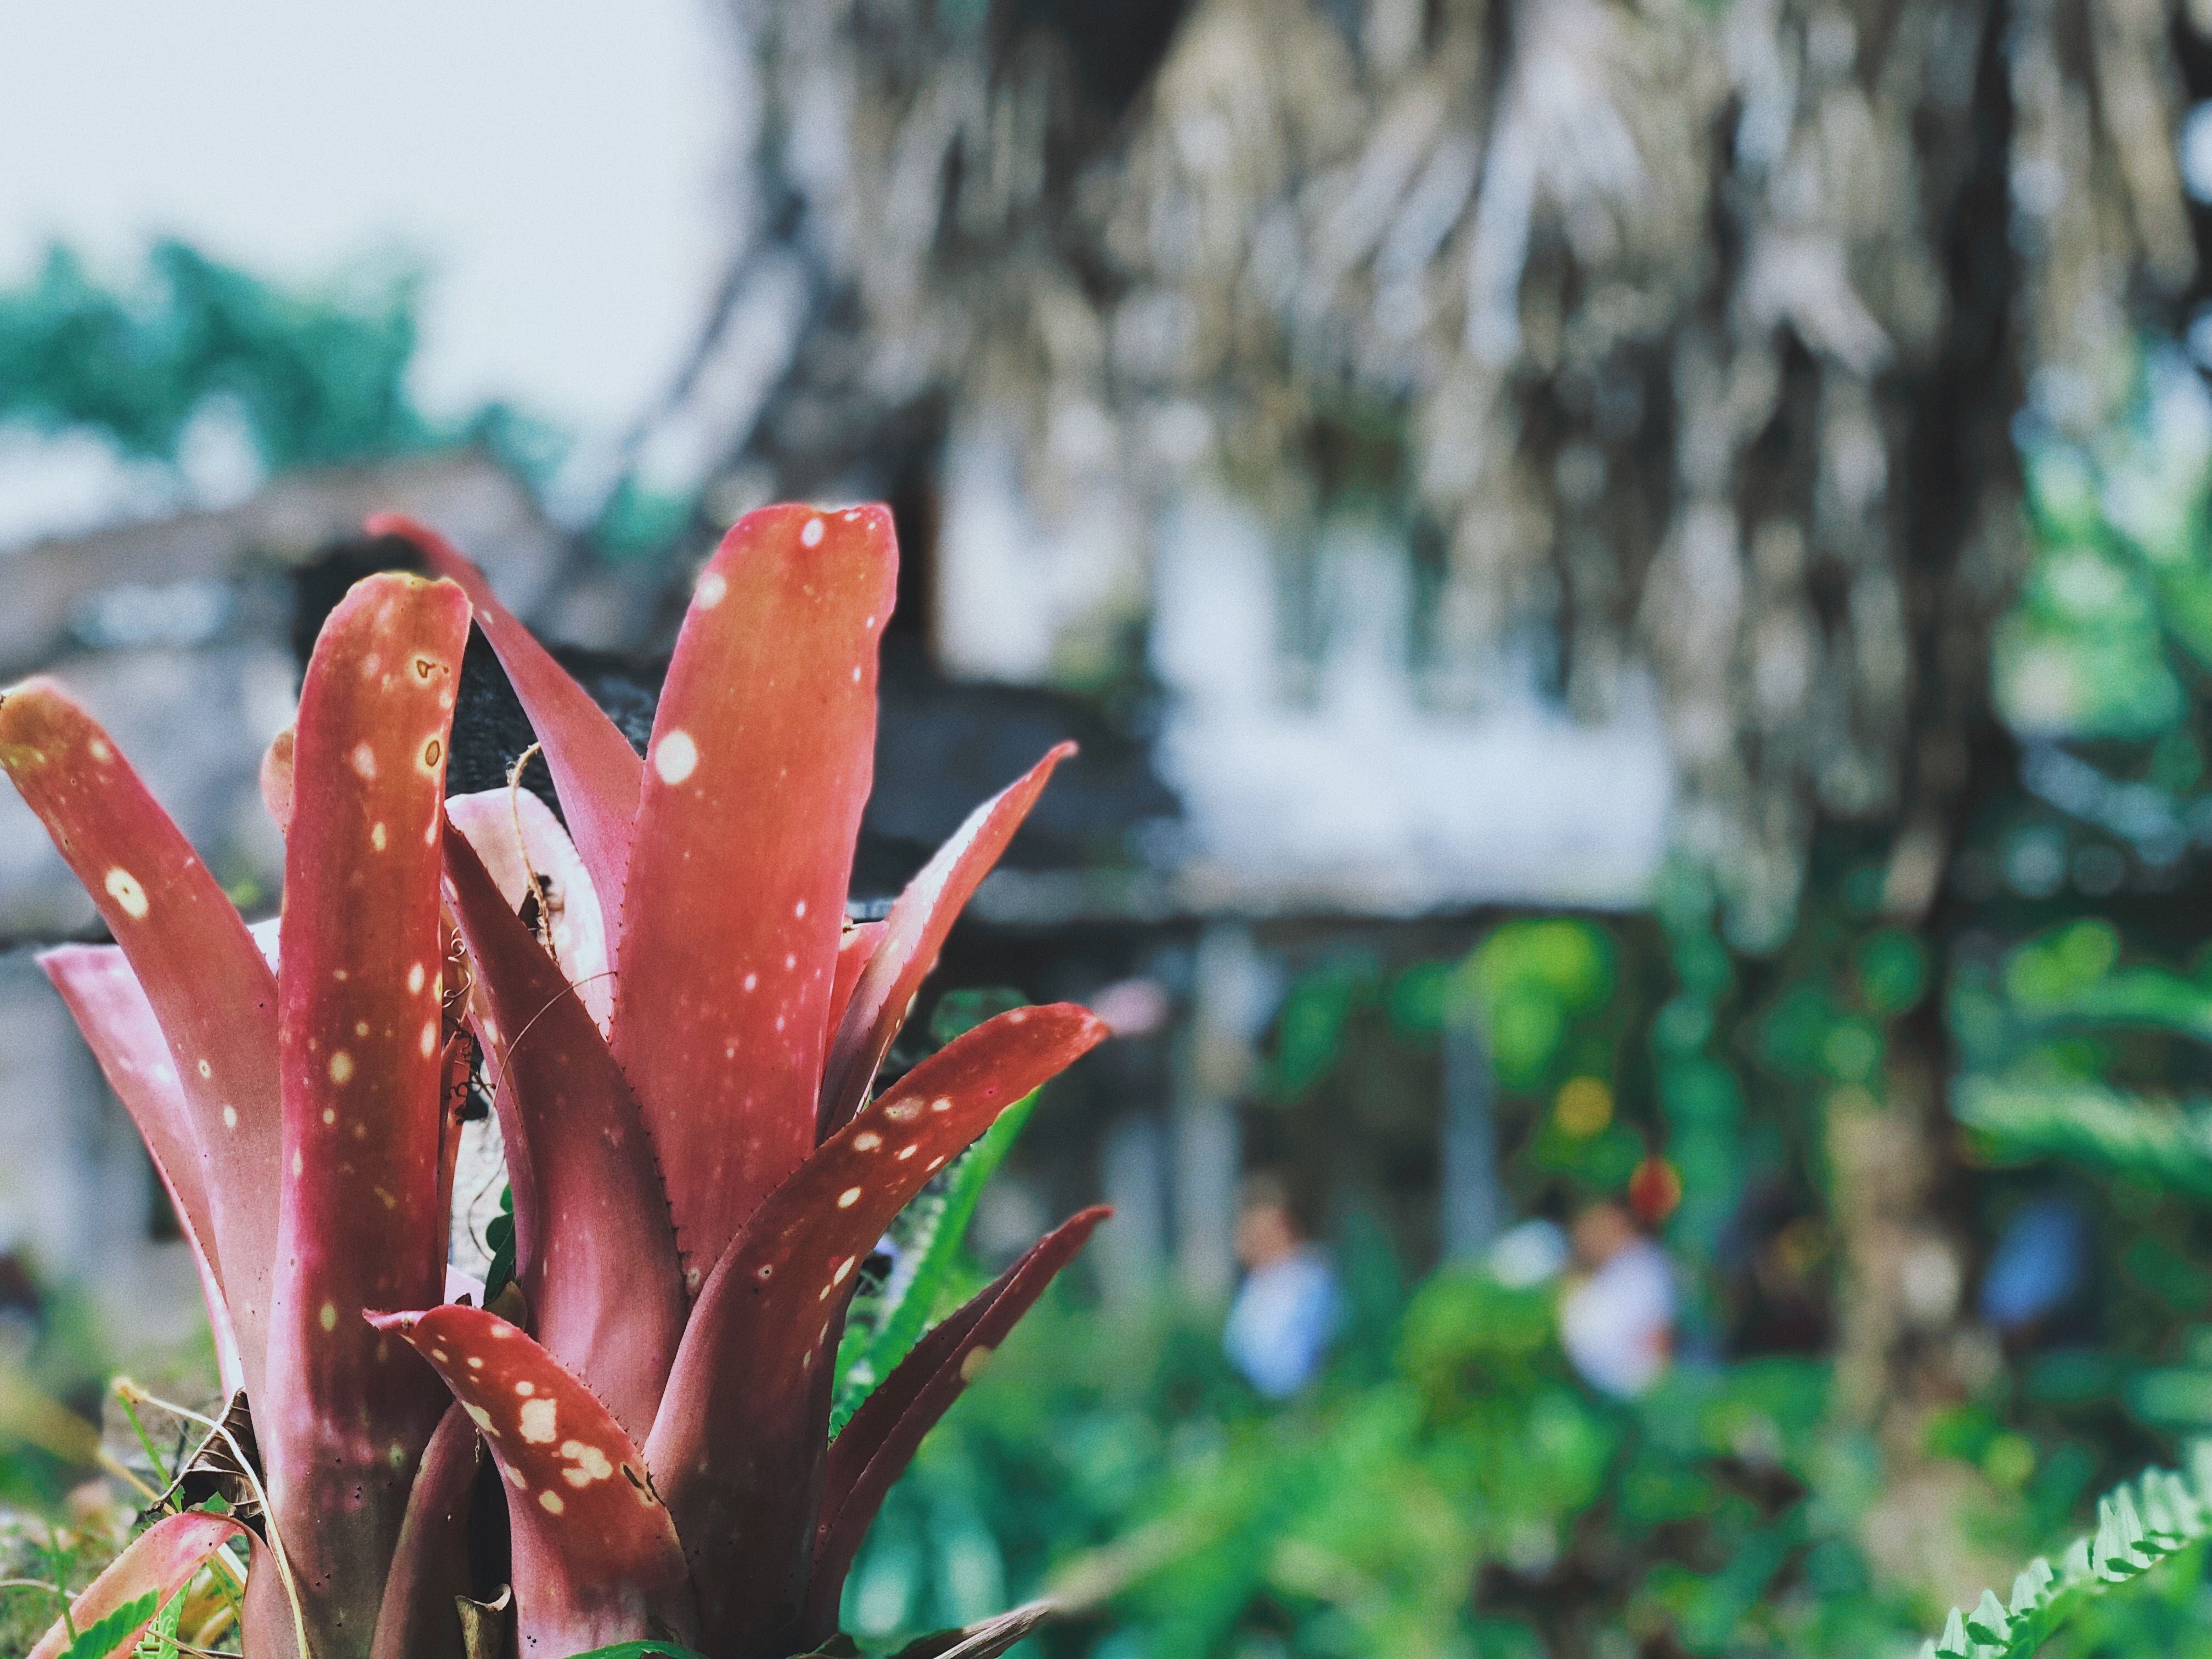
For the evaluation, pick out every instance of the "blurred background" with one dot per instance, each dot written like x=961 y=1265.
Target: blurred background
x=1636 y=586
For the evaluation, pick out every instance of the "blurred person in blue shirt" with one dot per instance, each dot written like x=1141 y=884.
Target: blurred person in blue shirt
x=2038 y=1274
x=1287 y=1307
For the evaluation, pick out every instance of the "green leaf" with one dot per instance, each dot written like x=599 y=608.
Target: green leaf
x=498 y=1233
x=160 y=1641
x=650 y=1651
x=98 y=1641
x=931 y=1259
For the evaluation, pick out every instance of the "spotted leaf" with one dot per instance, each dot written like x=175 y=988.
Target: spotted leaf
x=595 y=771
x=913 y=935
x=596 y=1558
x=741 y=1427
x=762 y=753
x=363 y=1056
x=595 y=1254
x=211 y=993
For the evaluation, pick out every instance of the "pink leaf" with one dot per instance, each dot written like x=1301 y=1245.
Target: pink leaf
x=111 y=1009
x=596 y=1557
x=208 y=987
x=164 y=1558
x=913 y=936
x=877 y=1443
x=740 y=1426
x=542 y=847
x=595 y=771
x=346 y=1413
x=759 y=765
x=595 y=1252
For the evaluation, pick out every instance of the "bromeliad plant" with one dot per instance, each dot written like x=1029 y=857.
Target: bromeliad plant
x=682 y=1046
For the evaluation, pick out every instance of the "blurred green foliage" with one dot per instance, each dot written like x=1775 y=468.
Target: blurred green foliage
x=319 y=377
x=314 y=375
x=1451 y=1488
x=1476 y=1500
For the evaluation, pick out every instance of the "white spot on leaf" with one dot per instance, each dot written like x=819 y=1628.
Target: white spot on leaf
x=675 y=756
x=538 y=1422
x=123 y=887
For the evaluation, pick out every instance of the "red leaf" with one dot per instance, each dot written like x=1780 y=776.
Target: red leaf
x=276 y=780
x=346 y=1415
x=213 y=995
x=430 y=1564
x=596 y=1557
x=739 y=1427
x=913 y=936
x=595 y=1252
x=163 y=1559
x=759 y=765
x=595 y=771
x=877 y=1443
x=856 y=947
x=111 y=1009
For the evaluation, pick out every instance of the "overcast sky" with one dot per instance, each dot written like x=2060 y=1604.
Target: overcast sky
x=563 y=166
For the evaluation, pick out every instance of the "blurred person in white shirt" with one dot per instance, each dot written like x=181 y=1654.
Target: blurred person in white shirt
x=1617 y=1316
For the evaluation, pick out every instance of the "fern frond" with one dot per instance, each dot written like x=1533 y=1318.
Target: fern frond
x=2138 y=1526
x=2087 y=1123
